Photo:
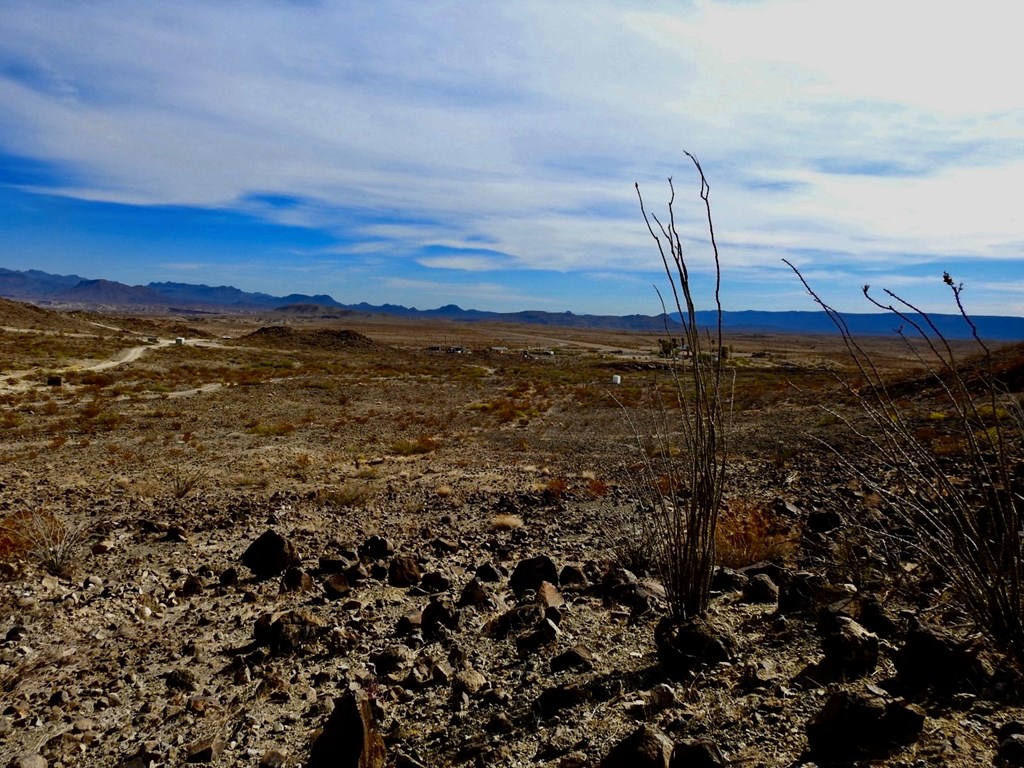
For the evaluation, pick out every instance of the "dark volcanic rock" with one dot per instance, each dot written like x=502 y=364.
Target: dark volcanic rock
x=404 y=571
x=296 y=580
x=856 y=725
x=287 y=632
x=646 y=747
x=204 y=750
x=349 y=738
x=376 y=548
x=761 y=589
x=270 y=555
x=687 y=645
x=850 y=650
x=932 y=659
x=697 y=753
x=1011 y=751
x=530 y=573
x=336 y=586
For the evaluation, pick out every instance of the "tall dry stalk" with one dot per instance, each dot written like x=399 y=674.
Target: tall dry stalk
x=963 y=511
x=682 y=470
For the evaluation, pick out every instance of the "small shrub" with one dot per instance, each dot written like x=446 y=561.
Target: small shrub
x=52 y=542
x=183 y=478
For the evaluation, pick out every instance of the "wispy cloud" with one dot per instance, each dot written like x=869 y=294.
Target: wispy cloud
x=856 y=135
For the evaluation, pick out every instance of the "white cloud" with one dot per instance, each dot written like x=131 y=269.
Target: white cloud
x=857 y=130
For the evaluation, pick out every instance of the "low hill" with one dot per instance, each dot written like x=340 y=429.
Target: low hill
x=324 y=338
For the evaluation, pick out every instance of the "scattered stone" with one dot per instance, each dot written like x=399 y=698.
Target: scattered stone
x=549 y=596
x=204 y=750
x=29 y=761
x=760 y=589
x=270 y=555
x=697 y=753
x=228 y=577
x=823 y=521
x=349 y=737
x=577 y=657
x=376 y=548
x=932 y=659
x=684 y=646
x=191 y=587
x=336 y=586
x=862 y=725
x=272 y=758
x=404 y=571
x=646 y=747
x=850 y=650
x=1011 y=751
x=296 y=580
x=529 y=574
x=489 y=573
x=16 y=634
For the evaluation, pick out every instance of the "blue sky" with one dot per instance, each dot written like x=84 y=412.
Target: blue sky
x=484 y=154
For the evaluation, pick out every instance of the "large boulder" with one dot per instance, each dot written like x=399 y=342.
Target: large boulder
x=270 y=555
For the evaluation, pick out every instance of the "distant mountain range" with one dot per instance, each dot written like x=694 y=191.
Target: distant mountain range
x=39 y=287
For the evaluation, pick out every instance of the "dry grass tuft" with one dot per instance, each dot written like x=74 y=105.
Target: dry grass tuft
x=748 y=532
x=506 y=522
x=348 y=495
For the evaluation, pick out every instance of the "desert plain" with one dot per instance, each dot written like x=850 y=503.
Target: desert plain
x=449 y=517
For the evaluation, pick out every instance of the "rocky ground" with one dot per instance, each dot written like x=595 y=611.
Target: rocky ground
x=283 y=551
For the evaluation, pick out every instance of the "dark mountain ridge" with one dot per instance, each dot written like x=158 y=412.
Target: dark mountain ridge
x=42 y=287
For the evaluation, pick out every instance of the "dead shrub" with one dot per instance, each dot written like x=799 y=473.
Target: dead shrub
x=748 y=532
